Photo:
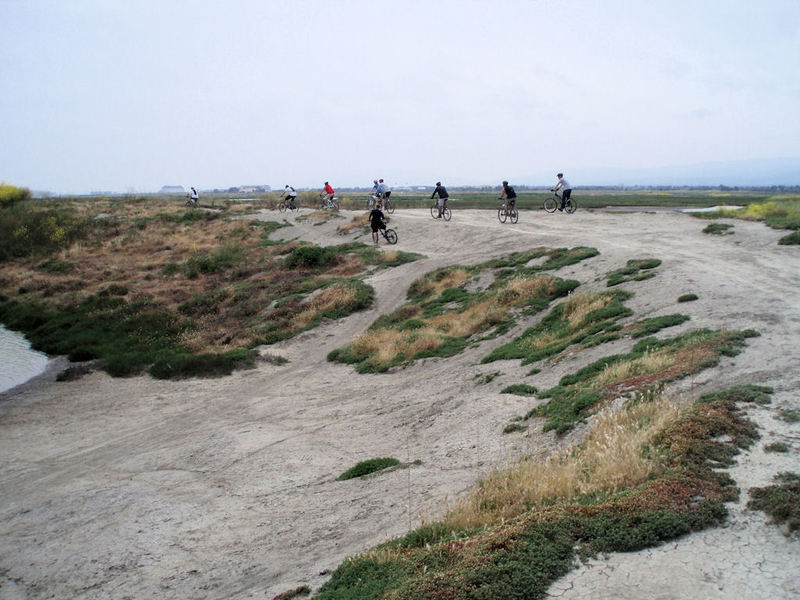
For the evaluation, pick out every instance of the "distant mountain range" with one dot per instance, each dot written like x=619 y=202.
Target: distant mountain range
x=742 y=173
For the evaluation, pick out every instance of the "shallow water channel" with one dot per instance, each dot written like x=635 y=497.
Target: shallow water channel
x=18 y=361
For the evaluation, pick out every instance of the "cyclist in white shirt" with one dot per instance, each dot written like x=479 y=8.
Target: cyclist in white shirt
x=566 y=190
x=384 y=191
x=291 y=194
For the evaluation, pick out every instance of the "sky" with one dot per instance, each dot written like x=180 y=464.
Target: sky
x=131 y=95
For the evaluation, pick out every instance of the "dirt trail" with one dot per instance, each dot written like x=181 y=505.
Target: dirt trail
x=225 y=488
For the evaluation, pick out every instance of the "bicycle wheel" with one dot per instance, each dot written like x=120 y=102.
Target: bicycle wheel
x=434 y=211
x=446 y=214
x=389 y=206
x=550 y=204
x=334 y=205
x=390 y=235
x=571 y=206
x=282 y=206
x=514 y=215
x=501 y=215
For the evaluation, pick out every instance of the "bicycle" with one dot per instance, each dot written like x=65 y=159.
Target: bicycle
x=390 y=235
x=191 y=201
x=289 y=203
x=446 y=214
x=511 y=213
x=331 y=202
x=553 y=202
x=388 y=205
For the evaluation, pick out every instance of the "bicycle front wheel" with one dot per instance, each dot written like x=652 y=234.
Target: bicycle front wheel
x=446 y=214
x=434 y=211
x=514 y=215
x=550 y=205
x=501 y=215
x=389 y=206
x=571 y=206
x=282 y=206
x=391 y=236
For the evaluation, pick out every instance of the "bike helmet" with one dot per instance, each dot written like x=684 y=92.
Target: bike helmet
x=438 y=183
x=505 y=183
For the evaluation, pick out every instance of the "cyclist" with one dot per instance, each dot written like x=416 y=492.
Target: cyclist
x=374 y=192
x=291 y=195
x=509 y=195
x=376 y=221
x=566 y=190
x=384 y=190
x=194 y=197
x=326 y=194
x=443 y=196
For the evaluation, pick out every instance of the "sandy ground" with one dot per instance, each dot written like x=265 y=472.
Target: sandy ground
x=226 y=488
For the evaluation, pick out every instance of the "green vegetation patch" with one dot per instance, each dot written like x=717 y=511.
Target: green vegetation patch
x=303 y=590
x=781 y=447
x=28 y=228
x=654 y=325
x=748 y=393
x=635 y=270
x=687 y=298
x=584 y=320
x=719 y=229
x=522 y=557
x=780 y=501
x=520 y=389
x=367 y=467
x=793 y=239
x=789 y=415
x=446 y=308
x=651 y=364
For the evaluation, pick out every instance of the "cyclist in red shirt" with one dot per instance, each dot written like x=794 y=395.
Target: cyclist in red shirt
x=326 y=193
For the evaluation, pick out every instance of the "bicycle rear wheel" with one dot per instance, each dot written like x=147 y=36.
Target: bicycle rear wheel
x=571 y=206
x=514 y=215
x=501 y=215
x=389 y=206
x=334 y=205
x=446 y=214
x=390 y=235
x=550 y=204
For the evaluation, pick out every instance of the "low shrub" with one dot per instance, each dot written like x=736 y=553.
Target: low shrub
x=687 y=298
x=718 y=229
x=634 y=270
x=367 y=467
x=777 y=447
x=520 y=389
x=789 y=415
x=780 y=501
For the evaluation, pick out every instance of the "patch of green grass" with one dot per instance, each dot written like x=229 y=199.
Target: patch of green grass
x=577 y=395
x=655 y=324
x=634 y=270
x=789 y=415
x=756 y=394
x=223 y=259
x=520 y=389
x=181 y=366
x=718 y=229
x=556 y=331
x=793 y=239
x=780 y=501
x=777 y=447
x=367 y=467
x=687 y=298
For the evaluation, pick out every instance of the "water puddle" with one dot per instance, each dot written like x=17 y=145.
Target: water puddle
x=18 y=361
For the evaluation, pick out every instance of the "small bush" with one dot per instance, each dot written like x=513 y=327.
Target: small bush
x=514 y=427
x=793 y=239
x=687 y=298
x=11 y=194
x=520 y=389
x=777 y=447
x=310 y=257
x=780 y=501
x=718 y=229
x=179 y=366
x=365 y=467
x=55 y=266
x=789 y=415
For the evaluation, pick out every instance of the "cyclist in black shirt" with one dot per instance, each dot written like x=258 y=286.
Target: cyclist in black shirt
x=509 y=195
x=443 y=196
x=376 y=221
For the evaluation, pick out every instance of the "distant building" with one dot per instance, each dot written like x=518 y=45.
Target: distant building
x=172 y=189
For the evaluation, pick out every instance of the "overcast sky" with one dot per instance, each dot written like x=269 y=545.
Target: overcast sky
x=131 y=95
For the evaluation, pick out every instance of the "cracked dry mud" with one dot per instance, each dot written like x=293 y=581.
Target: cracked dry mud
x=226 y=488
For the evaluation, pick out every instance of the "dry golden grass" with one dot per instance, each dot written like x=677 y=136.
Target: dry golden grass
x=578 y=306
x=333 y=298
x=521 y=289
x=647 y=364
x=451 y=279
x=611 y=458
